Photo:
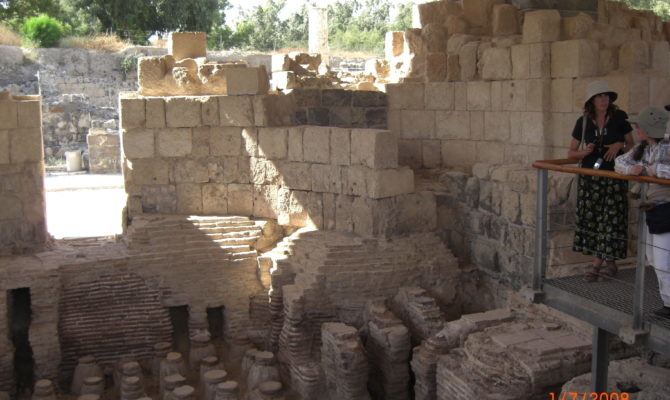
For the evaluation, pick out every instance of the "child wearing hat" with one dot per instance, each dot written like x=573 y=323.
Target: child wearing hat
x=652 y=157
x=599 y=136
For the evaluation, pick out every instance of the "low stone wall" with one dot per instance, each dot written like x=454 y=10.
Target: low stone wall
x=104 y=152
x=221 y=155
x=22 y=202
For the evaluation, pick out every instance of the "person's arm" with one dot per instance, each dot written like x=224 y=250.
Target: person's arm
x=576 y=154
x=662 y=170
x=614 y=148
x=624 y=164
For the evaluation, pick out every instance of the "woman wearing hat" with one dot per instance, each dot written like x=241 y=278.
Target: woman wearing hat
x=599 y=136
x=653 y=158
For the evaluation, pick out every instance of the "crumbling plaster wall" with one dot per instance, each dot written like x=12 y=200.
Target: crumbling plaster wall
x=486 y=89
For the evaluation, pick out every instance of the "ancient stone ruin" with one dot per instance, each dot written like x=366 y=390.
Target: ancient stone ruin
x=286 y=239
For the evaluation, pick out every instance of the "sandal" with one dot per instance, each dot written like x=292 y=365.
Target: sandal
x=610 y=271
x=592 y=274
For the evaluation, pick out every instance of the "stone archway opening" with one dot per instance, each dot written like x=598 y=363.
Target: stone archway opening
x=215 y=320
x=180 y=334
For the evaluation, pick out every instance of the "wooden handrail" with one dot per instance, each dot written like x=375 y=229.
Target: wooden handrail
x=560 y=166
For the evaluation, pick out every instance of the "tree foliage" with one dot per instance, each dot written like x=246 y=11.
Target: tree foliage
x=659 y=7
x=43 y=30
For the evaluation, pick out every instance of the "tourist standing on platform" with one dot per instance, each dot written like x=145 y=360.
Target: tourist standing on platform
x=651 y=157
x=599 y=136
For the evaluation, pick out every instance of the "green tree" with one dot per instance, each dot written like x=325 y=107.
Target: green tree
x=659 y=7
x=16 y=12
x=403 y=20
x=296 y=32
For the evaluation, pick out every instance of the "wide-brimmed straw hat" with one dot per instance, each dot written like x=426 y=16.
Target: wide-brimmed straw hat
x=599 y=87
x=653 y=121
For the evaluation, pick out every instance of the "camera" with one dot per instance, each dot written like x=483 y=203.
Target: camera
x=598 y=163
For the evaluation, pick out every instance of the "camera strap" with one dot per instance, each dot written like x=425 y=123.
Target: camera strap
x=581 y=143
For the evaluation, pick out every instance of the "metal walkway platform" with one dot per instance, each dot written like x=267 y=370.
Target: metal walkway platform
x=608 y=304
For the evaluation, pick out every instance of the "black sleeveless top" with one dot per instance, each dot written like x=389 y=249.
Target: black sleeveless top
x=615 y=130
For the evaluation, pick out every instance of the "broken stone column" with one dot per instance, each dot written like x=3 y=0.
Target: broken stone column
x=418 y=311
x=201 y=347
x=344 y=363
x=270 y=390
x=208 y=364
x=131 y=388
x=86 y=368
x=263 y=369
x=388 y=347
x=127 y=370
x=169 y=384
x=424 y=365
x=248 y=361
x=211 y=380
x=185 y=392
x=173 y=364
x=93 y=385
x=44 y=390
x=228 y=390
x=318 y=30
x=161 y=351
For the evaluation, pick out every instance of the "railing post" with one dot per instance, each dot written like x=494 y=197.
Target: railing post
x=638 y=294
x=540 y=230
x=599 y=360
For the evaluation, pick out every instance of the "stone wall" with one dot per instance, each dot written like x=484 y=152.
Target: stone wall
x=487 y=88
x=22 y=202
x=224 y=155
x=341 y=108
x=104 y=151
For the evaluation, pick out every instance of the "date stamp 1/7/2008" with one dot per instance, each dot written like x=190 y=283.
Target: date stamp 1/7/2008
x=589 y=396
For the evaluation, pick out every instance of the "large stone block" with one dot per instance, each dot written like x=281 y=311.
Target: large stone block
x=326 y=178
x=247 y=81
x=435 y=36
x=409 y=153
x=453 y=125
x=432 y=153
x=250 y=142
x=432 y=13
x=520 y=55
x=176 y=142
x=440 y=96
x=155 y=112
x=183 y=112
x=478 y=12
x=660 y=60
x=467 y=61
x=29 y=114
x=273 y=143
x=534 y=127
x=497 y=64
x=190 y=171
x=236 y=111
x=138 y=143
x=634 y=56
x=453 y=68
x=240 y=199
x=316 y=144
x=418 y=124
x=505 y=20
x=497 y=126
x=4 y=147
x=225 y=141
x=265 y=201
x=574 y=59
x=301 y=209
x=296 y=175
x=340 y=146
x=132 y=111
x=479 y=96
x=405 y=96
x=295 y=143
x=274 y=110
x=577 y=27
x=394 y=43
x=540 y=60
x=374 y=148
x=458 y=153
x=659 y=90
x=382 y=183
x=513 y=94
x=477 y=125
x=354 y=180
x=538 y=94
x=561 y=95
x=215 y=199
x=210 y=111
x=189 y=198
x=146 y=171
x=25 y=145
x=187 y=45
x=541 y=26
x=436 y=67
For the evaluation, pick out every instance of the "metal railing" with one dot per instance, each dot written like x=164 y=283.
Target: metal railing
x=540 y=266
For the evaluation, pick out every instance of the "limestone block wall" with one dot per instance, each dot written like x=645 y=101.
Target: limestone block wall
x=104 y=151
x=43 y=282
x=234 y=155
x=490 y=83
x=341 y=108
x=22 y=204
